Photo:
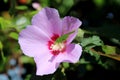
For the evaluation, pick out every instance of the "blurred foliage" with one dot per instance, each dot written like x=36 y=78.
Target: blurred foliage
x=99 y=35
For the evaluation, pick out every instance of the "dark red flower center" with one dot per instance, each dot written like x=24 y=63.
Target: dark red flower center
x=54 y=47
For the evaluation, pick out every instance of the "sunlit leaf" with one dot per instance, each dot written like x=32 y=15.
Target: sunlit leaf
x=45 y=3
x=66 y=65
x=1 y=45
x=5 y=1
x=68 y=3
x=21 y=7
x=80 y=35
x=109 y=49
x=13 y=35
x=5 y=24
x=25 y=59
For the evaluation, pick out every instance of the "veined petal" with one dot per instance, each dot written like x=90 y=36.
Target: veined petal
x=70 y=24
x=44 y=65
x=72 y=54
x=32 y=40
x=48 y=20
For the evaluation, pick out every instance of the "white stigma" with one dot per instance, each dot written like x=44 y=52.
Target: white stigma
x=57 y=46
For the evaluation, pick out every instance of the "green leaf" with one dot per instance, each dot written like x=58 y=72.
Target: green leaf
x=63 y=37
x=94 y=40
x=66 y=65
x=21 y=7
x=80 y=35
x=5 y=1
x=68 y=3
x=4 y=24
x=45 y=3
x=13 y=35
x=2 y=53
x=93 y=53
x=65 y=6
x=25 y=59
x=1 y=46
x=109 y=49
x=91 y=42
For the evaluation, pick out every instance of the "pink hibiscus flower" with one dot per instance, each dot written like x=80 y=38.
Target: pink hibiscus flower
x=41 y=40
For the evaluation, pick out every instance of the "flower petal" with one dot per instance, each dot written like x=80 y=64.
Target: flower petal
x=32 y=40
x=70 y=24
x=48 y=20
x=72 y=54
x=44 y=65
